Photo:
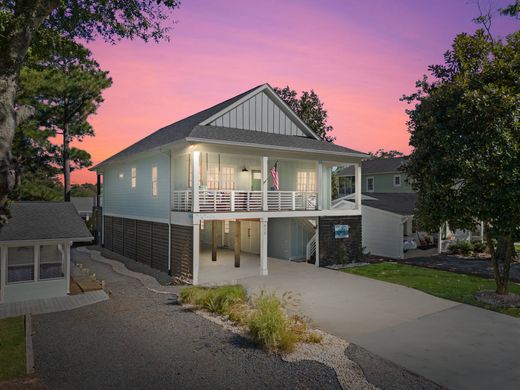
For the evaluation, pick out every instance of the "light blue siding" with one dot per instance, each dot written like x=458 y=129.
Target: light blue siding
x=287 y=238
x=120 y=198
x=384 y=182
x=259 y=113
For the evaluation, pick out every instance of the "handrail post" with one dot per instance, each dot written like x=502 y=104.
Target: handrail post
x=232 y=200
x=264 y=183
x=293 y=206
x=195 y=180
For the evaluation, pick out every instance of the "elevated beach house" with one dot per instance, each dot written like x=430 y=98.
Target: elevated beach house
x=223 y=190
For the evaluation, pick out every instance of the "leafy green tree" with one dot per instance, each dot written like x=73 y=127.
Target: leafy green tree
x=21 y=21
x=65 y=87
x=381 y=153
x=512 y=10
x=310 y=109
x=465 y=131
x=84 y=190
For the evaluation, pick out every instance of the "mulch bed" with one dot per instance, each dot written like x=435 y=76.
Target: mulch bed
x=494 y=299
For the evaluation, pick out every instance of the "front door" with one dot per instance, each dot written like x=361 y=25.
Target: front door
x=250 y=237
x=256 y=180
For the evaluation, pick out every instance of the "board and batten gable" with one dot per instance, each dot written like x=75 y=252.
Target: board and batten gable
x=120 y=199
x=384 y=183
x=260 y=113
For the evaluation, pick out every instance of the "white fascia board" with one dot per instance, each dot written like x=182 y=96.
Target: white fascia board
x=275 y=147
x=45 y=241
x=387 y=212
x=273 y=214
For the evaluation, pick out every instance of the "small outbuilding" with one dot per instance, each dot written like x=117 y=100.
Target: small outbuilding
x=35 y=250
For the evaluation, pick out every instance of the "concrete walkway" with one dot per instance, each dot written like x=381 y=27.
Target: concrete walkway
x=51 y=305
x=455 y=345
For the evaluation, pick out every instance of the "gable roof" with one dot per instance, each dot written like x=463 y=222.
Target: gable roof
x=31 y=221
x=82 y=203
x=377 y=165
x=198 y=127
x=397 y=203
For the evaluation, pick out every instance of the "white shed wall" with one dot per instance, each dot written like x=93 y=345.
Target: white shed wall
x=382 y=232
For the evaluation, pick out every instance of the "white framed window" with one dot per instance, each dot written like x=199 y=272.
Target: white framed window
x=212 y=177
x=227 y=181
x=134 y=177
x=305 y=181
x=155 y=188
x=51 y=262
x=20 y=264
x=370 y=184
x=397 y=181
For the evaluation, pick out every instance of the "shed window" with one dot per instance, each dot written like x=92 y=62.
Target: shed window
x=370 y=184
x=134 y=177
x=397 y=181
x=51 y=261
x=154 y=181
x=20 y=264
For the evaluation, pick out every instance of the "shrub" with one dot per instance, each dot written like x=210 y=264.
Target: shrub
x=461 y=248
x=215 y=300
x=268 y=324
x=314 y=338
x=479 y=247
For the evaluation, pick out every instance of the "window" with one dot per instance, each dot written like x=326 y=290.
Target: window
x=226 y=226
x=20 y=264
x=51 y=261
x=134 y=177
x=154 y=181
x=306 y=181
x=397 y=181
x=212 y=177
x=370 y=184
x=228 y=178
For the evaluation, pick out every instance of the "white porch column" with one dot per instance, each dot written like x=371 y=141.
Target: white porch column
x=263 y=246
x=196 y=252
x=317 y=260
x=357 y=185
x=3 y=271
x=66 y=265
x=264 y=183
x=195 y=180
x=439 y=246
x=319 y=185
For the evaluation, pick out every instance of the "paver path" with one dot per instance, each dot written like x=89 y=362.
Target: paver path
x=140 y=339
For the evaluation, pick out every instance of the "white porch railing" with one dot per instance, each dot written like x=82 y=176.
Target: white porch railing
x=291 y=200
x=310 y=250
x=181 y=201
x=237 y=200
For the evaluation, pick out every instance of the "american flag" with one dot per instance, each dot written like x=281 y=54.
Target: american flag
x=274 y=175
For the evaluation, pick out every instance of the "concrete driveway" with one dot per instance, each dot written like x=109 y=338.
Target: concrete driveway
x=455 y=345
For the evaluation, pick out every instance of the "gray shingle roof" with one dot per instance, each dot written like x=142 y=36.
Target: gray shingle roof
x=82 y=203
x=398 y=203
x=228 y=134
x=189 y=128
x=44 y=221
x=378 y=165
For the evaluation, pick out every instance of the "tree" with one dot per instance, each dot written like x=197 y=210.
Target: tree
x=465 y=131
x=310 y=109
x=84 y=190
x=512 y=10
x=64 y=86
x=381 y=153
x=21 y=20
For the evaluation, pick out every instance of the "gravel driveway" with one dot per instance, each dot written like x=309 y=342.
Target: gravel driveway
x=140 y=339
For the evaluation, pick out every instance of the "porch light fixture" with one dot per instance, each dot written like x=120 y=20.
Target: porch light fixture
x=244 y=169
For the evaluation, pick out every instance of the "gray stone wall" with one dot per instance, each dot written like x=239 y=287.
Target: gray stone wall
x=339 y=250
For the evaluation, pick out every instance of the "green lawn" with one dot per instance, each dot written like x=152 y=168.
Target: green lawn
x=12 y=348
x=448 y=285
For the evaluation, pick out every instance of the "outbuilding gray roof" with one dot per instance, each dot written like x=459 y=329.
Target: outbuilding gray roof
x=397 y=203
x=377 y=165
x=31 y=221
x=83 y=203
x=189 y=128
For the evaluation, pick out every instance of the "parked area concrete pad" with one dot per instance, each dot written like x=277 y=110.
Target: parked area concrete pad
x=452 y=344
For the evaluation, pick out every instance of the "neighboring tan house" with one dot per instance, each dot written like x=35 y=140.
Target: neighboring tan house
x=35 y=250
x=388 y=225
x=243 y=180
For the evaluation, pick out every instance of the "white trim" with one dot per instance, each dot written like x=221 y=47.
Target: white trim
x=373 y=183
x=400 y=181
x=150 y=219
x=274 y=96
x=274 y=147
x=44 y=241
x=263 y=246
x=358 y=194
x=196 y=252
x=264 y=174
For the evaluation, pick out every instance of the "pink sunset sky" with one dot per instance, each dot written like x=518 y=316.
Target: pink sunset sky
x=359 y=56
